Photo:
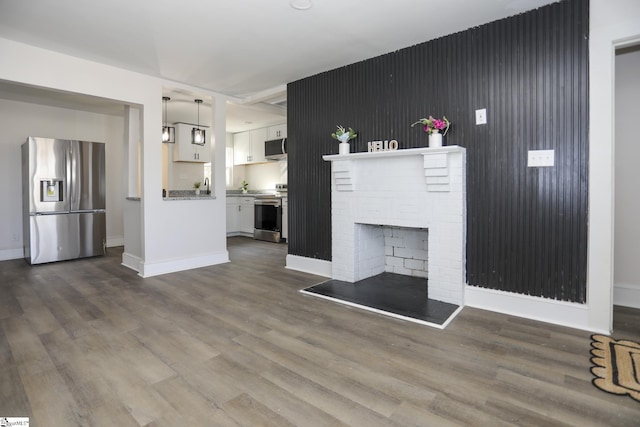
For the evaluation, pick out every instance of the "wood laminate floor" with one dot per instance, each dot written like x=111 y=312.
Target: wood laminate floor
x=89 y=343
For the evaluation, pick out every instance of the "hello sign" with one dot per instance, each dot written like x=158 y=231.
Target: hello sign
x=382 y=145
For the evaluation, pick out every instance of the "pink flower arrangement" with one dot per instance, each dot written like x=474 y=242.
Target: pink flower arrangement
x=432 y=125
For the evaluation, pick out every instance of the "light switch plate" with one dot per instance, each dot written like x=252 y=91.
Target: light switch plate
x=481 y=116
x=540 y=158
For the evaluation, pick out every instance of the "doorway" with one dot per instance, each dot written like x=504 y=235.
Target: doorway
x=626 y=201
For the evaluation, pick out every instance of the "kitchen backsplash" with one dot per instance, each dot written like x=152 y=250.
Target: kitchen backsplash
x=262 y=176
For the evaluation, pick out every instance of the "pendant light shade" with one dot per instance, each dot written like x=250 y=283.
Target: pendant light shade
x=168 y=132
x=197 y=134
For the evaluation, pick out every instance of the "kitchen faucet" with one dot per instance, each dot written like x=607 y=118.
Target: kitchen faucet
x=206 y=182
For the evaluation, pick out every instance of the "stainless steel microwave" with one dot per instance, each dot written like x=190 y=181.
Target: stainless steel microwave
x=275 y=149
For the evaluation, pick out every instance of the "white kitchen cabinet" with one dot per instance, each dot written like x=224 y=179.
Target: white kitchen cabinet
x=277 y=131
x=241 y=148
x=233 y=224
x=284 y=232
x=246 y=214
x=248 y=147
x=240 y=215
x=185 y=151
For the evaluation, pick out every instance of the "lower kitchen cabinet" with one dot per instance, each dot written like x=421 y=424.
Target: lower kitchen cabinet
x=240 y=215
x=247 y=215
x=233 y=225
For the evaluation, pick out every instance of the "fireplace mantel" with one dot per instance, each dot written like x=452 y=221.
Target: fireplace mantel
x=437 y=171
x=393 y=153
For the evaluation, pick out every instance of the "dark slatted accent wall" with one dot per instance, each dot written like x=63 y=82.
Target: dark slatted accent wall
x=527 y=227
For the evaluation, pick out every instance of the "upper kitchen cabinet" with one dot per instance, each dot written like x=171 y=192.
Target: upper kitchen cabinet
x=185 y=151
x=277 y=131
x=241 y=148
x=248 y=147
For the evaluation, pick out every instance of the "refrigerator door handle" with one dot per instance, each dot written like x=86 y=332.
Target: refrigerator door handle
x=47 y=213
x=72 y=176
x=89 y=211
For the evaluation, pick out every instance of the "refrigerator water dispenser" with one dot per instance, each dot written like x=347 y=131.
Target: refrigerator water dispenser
x=51 y=190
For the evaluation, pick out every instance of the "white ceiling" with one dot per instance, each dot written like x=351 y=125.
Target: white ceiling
x=241 y=48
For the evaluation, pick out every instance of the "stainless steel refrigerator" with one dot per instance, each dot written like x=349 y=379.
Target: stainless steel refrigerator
x=63 y=199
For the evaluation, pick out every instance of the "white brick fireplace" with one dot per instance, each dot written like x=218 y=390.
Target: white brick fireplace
x=420 y=188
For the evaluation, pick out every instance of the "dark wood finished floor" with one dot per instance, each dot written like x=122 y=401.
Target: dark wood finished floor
x=89 y=343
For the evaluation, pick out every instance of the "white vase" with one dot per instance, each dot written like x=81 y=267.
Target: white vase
x=435 y=140
x=344 y=148
x=197 y=191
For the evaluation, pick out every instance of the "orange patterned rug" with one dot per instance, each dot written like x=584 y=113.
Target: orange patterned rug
x=617 y=365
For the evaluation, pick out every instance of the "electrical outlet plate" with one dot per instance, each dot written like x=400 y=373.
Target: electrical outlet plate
x=481 y=116
x=540 y=158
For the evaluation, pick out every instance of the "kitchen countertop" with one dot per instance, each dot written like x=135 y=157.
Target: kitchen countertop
x=241 y=195
x=191 y=195
x=187 y=195
x=194 y=197
x=238 y=193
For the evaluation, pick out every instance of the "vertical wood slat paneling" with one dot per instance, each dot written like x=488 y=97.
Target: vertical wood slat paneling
x=526 y=227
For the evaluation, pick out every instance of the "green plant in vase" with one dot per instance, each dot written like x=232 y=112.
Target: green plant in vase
x=344 y=136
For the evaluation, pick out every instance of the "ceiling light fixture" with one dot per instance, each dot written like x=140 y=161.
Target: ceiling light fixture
x=168 y=132
x=301 y=4
x=197 y=134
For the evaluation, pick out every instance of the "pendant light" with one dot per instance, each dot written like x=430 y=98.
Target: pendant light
x=168 y=132
x=197 y=134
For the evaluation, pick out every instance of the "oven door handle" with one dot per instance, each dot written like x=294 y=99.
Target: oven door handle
x=275 y=203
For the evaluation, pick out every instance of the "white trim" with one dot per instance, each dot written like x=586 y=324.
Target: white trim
x=131 y=261
x=9 y=254
x=113 y=242
x=385 y=313
x=609 y=28
x=563 y=313
x=393 y=153
x=627 y=295
x=319 y=267
x=172 y=266
x=239 y=233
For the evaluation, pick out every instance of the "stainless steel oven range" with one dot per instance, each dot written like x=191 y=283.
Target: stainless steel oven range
x=268 y=217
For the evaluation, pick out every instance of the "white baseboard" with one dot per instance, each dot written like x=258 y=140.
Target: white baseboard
x=115 y=241
x=131 y=261
x=149 y=269
x=239 y=233
x=626 y=294
x=318 y=267
x=8 y=254
x=563 y=313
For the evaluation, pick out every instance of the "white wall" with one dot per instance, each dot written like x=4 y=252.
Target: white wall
x=170 y=242
x=612 y=24
x=627 y=176
x=19 y=120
